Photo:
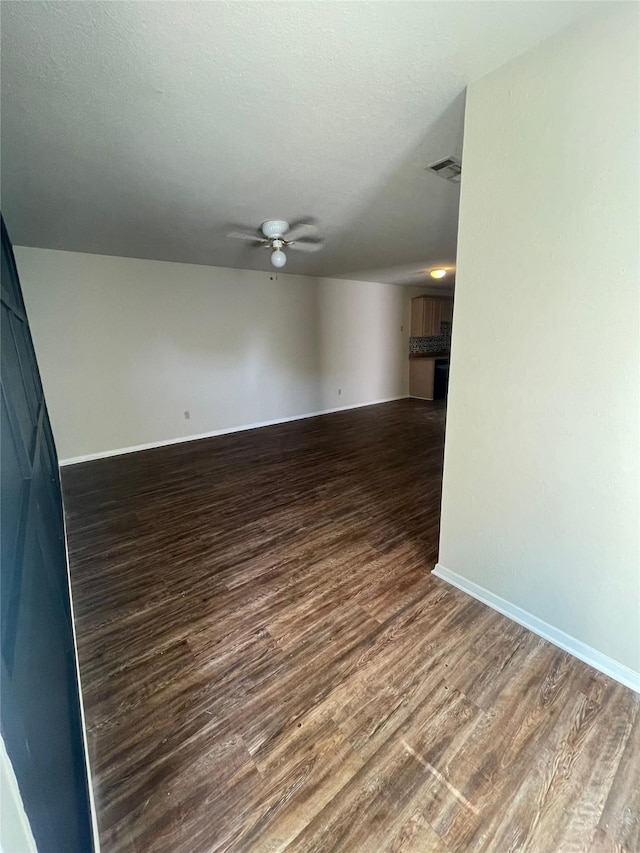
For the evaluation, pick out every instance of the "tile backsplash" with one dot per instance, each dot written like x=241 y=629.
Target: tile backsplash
x=435 y=343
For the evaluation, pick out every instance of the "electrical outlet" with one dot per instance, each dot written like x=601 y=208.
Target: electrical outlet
x=187 y=416
x=339 y=392
x=402 y=328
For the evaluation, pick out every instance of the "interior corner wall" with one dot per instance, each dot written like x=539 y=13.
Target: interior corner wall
x=364 y=341
x=126 y=347
x=540 y=499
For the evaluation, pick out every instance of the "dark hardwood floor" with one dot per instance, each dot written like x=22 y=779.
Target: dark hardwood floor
x=268 y=664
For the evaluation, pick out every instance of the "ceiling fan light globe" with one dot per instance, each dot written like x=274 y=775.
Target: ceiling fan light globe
x=278 y=258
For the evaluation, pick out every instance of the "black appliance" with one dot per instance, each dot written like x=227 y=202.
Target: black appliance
x=441 y=379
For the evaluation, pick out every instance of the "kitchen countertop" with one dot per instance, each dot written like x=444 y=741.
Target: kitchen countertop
x=429 y=354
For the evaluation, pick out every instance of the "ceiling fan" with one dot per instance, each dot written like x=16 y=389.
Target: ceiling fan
x=277 y=235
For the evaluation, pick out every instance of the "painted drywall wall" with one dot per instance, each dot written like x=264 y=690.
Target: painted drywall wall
x=15 y=829
x=127 y=346
x=363 y=341
x=540 y=498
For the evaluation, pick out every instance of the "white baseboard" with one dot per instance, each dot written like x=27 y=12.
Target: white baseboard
x=103 y=454
x=559 y=638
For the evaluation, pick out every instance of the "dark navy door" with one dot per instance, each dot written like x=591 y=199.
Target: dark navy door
x=39 y=705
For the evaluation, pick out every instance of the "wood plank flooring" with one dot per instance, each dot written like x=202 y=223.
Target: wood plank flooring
x=267 y=663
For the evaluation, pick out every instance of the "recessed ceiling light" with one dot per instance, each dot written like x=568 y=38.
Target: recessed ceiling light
x=438 y=273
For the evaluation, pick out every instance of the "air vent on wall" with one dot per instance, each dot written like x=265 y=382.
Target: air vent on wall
x=448 y=168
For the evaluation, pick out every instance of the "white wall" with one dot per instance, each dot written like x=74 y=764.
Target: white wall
x=15 y=829
x=126 y=346
x=541 y=477
x=362 y=348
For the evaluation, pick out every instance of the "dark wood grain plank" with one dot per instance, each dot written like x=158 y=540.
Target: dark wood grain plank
x=416 y=836
x=268 y=664
x=620 y=818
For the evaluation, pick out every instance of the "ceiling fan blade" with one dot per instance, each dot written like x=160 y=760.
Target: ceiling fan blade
x=243 y=235
x=300 y=228
x=306 y=245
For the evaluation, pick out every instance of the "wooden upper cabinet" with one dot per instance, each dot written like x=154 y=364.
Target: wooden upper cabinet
x=427 y=313
x=417 y=315
x=431 y=321
x=446 y=311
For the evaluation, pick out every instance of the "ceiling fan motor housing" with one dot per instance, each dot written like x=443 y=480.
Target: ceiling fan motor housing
x=274 y=228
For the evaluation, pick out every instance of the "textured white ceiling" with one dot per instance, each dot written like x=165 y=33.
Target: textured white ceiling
x=144 y=129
